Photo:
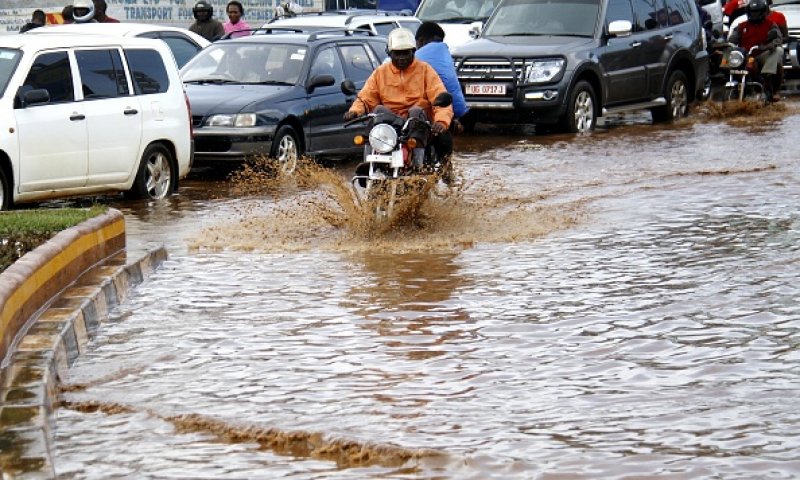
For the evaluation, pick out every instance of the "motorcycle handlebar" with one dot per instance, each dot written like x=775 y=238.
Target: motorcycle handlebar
x=360 y=118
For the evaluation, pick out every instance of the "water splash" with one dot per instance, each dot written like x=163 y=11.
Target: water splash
x=316 y=208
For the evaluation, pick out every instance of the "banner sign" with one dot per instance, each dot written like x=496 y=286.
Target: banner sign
x=16 y=13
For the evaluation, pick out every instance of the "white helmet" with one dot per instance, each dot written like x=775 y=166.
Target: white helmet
x=88 y=4
x=400 y=39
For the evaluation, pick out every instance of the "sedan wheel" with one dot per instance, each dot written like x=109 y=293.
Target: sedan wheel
x=286 y=149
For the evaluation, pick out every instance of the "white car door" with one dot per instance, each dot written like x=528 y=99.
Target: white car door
x=113 y=116
x=52 y=135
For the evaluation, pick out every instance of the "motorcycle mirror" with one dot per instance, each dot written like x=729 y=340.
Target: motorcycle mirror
x=444 y=99
x=348 y=87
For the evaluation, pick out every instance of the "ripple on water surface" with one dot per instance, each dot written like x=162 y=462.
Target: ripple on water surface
x=657 y=338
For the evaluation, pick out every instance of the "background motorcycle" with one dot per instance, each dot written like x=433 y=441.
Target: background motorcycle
x=387 y=171
x=744 y=81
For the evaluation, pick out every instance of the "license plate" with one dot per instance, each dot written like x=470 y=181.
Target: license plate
x=485 y=89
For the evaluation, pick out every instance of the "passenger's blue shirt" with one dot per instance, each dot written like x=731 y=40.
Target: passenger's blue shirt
x=438 y=56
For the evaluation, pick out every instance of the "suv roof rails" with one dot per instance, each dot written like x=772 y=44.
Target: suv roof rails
x=351 y=13
x=343 y=31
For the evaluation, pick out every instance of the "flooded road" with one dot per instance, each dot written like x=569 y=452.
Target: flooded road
x=619 y=305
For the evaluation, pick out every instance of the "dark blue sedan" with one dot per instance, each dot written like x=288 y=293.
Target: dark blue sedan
x=279 y=94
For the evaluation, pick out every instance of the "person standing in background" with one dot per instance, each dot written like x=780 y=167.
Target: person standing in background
x=100 y=7
x=235 y=12
x=66 y=14
x=38 y=19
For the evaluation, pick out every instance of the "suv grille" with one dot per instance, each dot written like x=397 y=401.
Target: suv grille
x=498 y=69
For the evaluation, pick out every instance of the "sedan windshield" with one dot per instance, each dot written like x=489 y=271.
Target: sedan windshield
x=8 y=64
x=545 y=17
x=456 y=11
x=246 y=63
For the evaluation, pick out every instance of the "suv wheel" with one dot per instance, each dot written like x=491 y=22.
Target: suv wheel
x=581 y=115
x=156 y=176
x=286 y=149
x=677 y=94
x=5 y=191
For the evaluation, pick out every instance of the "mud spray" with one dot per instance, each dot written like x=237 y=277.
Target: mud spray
x=316 y=208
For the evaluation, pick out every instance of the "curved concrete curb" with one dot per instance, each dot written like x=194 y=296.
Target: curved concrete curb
x=60 y=295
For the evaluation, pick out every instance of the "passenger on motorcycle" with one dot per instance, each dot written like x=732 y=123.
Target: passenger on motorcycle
x=432 y=49
x=405 y=87
x=757 y=31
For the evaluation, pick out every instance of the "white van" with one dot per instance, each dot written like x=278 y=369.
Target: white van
x=458 y=18
x=88 y=114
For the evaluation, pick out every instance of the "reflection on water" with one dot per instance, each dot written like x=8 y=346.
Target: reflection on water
x=655 y=335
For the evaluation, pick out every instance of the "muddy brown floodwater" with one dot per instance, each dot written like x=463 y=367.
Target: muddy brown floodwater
x=618 y=305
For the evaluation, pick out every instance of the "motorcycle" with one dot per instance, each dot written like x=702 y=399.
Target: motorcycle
x=744 y=80
x=388 y=171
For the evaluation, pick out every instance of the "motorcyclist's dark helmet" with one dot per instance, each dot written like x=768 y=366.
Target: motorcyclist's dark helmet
x=757 y=11
x=202 y=6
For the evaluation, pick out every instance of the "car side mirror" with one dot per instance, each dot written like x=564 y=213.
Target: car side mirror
x=324 y=80
x=620 y=28
x=349 y=88
x=444 y=99
x=33 y=97
x=475 y=30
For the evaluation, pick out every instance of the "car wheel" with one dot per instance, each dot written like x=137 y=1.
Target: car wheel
x=5 y=191
x=286 y=149
x=156 y=177
x=581 y=115
x=677 y=95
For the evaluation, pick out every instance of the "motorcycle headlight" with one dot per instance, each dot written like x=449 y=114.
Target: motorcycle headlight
x=382 y=138
x=735 y=59
x=232 y=120
x=541 y=71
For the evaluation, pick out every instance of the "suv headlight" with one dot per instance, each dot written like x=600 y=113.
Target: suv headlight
x=382 y=138
x=232 y=120
x=735 y=59
x=542 y=71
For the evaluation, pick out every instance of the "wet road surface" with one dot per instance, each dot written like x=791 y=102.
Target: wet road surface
x=619 y=305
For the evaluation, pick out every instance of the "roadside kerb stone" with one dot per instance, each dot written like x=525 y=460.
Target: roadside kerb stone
x=51 y=306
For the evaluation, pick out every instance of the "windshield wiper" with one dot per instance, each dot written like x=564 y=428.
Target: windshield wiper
x=457 y=20
x=217 y=81
x=270 y=82
x=526 y=34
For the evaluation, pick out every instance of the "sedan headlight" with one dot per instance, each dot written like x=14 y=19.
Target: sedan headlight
x=735 y=59
x=542 y=71
x=232 y=120
x=382 y=138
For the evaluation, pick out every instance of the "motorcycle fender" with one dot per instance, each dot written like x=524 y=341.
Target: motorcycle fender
x=397 y=158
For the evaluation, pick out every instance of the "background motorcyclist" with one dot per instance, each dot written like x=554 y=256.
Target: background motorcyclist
x=762 y=33
x=405 y=87
x=83 y=11
x=204 y=23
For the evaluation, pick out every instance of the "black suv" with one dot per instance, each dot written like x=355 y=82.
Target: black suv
x=567 y=62
x=278 y=93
